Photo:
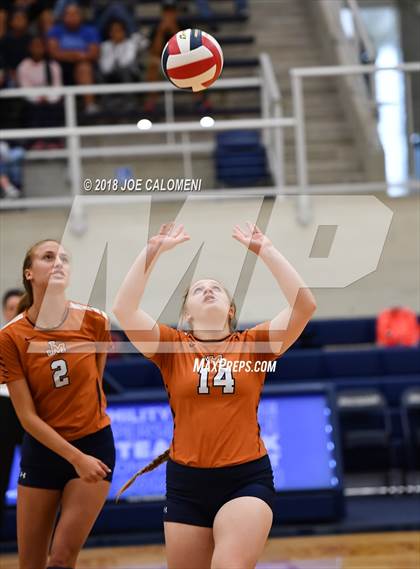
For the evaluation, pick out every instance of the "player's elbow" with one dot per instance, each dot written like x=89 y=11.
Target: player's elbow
x=308 y=303
x=119 y=312
x=312 y=306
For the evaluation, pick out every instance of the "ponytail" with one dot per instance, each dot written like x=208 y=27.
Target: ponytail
x=25 y=302
x=151 y=466
x=27 y=299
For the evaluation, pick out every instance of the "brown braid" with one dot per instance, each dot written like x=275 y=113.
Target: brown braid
x=165 y=455
x=151 y=466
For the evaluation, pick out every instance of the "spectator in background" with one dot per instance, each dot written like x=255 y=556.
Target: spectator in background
x=34 y=8
x=76 y=46
x=15 y=44
x=118 y=61
x=11 y=431
x=39 y=71
x=241 y=8
x=10 y=170
x=160 y=35
x=45 y=22
x=10 y=303
x=3 y=113
x=5 y=7
x=104 y=12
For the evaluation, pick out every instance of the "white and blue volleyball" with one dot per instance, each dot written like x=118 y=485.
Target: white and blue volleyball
x=192 y=59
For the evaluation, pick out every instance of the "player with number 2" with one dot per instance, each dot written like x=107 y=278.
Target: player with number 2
x=52 y=357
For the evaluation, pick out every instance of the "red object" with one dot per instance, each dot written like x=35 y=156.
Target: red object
x=397 y=326
x=216 y=54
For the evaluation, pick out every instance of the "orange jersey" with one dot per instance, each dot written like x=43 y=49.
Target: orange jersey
x=60 y=368
x=215 y=409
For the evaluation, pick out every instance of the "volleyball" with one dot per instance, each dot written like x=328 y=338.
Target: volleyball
x=192 y=59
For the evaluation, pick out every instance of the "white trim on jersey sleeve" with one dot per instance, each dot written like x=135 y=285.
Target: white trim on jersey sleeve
x=85 y=307
x=15 y=319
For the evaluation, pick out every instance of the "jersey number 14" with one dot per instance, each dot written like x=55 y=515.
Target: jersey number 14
x=223 y=378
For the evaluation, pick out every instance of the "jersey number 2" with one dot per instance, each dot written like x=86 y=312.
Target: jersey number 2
x=223 y=378
x=59 y=368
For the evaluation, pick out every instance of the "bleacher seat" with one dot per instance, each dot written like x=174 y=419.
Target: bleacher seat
x=397 y=360
x=391 y=386
x=240 y=158
x=319 y=333
x=134 y=373
x=352 y=363
x=410 y=416
x=192 y=21
x=308 y=364
x=365 y=430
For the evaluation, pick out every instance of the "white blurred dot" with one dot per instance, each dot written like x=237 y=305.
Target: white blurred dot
x=207 y=122
x=144 y=124
x=334 y=481
x=330 y=446
x=332 y=463
x=328 y=429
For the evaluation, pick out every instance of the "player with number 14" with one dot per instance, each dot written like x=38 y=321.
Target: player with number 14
x=219 y=481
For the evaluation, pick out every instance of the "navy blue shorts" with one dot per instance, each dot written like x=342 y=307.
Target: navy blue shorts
x=194 y=495
x=40 y=467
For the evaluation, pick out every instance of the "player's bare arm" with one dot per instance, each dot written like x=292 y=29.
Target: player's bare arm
x=289 y=323
x=127 y=302
x=88 y=467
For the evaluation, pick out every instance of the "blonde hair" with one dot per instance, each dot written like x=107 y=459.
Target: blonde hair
x=27 y=299
x=165 y=455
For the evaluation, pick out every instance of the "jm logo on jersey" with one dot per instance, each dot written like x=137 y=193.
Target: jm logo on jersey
x=212 y=362
x=56 y=348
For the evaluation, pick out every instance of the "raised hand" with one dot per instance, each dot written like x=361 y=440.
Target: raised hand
x=252 y=237
x=169 y=236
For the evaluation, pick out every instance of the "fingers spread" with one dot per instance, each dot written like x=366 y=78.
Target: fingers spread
x=239 y=232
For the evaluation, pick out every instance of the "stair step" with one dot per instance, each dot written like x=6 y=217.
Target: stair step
x=332 y=165
x=333 y=111
x=329 y=177
x=314 y=134
x=323 y=152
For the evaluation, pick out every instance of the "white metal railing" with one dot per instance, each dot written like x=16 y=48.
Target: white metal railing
x=271 y=104
x=361 y=31
x=271 y=123
x=362 y=43
x=297 y=77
